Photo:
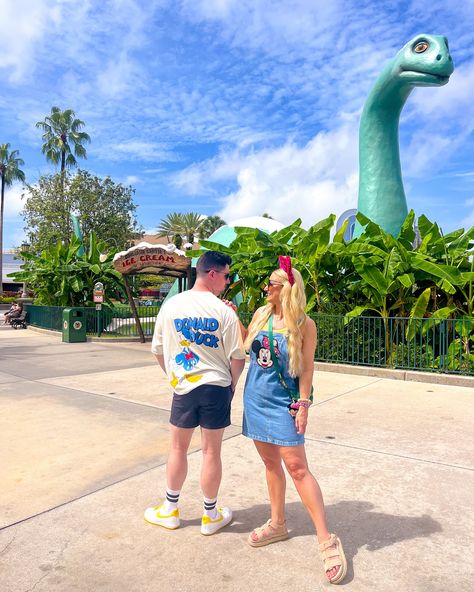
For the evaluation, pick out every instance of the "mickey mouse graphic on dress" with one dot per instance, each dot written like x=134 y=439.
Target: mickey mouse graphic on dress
x=262 y=351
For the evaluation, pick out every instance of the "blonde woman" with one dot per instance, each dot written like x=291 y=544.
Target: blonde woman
x=276 y=426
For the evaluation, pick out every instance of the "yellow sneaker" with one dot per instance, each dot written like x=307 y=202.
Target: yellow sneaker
x=210 y=526
x=157 y=516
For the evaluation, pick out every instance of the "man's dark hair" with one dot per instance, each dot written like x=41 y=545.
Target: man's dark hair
x=212 y=260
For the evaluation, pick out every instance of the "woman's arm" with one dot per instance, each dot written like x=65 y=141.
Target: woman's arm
x=243 y=329
x=231 y=305
x=306 y=376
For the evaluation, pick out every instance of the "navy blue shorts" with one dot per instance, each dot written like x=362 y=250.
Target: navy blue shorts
x=207 y=406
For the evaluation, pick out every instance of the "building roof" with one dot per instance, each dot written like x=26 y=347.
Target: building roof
x=152 y=239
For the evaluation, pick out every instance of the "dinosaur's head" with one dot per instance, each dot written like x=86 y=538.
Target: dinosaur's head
x=424 y=61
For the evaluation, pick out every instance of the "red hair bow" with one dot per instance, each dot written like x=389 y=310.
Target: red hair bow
x=285 y=264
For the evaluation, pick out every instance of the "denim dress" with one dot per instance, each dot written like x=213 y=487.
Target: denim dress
x=266 y=416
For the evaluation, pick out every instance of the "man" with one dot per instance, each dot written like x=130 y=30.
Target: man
x=197 y=342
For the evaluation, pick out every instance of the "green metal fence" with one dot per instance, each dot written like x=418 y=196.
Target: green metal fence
x=109 y=322
x=431 y=345
x=410 y=344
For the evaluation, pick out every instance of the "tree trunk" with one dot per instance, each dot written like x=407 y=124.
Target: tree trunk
x=1 y=232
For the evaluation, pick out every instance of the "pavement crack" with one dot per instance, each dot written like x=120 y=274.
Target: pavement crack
x=5 y=548
x=391 y=454
x=36 y=583
x=357 y=388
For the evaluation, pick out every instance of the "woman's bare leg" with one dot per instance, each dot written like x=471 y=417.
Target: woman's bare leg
x=309 y=491
x=276 y=480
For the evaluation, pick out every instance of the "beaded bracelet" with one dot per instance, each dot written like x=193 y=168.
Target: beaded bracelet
x=304 y=403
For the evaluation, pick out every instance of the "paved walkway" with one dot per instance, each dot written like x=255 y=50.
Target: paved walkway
x=83 y=441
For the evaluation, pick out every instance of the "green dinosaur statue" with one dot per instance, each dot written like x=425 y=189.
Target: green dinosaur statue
x=423 y=61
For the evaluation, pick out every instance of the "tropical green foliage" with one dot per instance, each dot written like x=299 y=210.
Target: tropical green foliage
x=105 y=207
x=10 y=163
x=62 y=136
x=375 y=275
x=60 y=277
x=322 y=262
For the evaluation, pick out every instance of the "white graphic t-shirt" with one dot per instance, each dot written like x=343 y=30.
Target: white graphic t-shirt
x=197 y=334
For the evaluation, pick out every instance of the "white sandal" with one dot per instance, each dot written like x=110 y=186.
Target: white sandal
x=332 y=555
x=268 y=534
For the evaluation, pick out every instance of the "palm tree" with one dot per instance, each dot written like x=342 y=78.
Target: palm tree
x=171 y=226
x=210 y=225
x=176 y=226
x=9 y=172
x=61 y=133
x=192 y=223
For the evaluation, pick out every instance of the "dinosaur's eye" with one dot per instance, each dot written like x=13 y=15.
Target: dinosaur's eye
x=421 y=47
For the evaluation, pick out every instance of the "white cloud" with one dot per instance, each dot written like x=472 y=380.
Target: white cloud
x=287 y=182
x=199 y=178
x=452 y=99
x=274 y=26
x=13 y=202
x=250 y=80
x=22 y=26
x=468 y=220
x=136 y=150
x=13 y=223
x=18 y=238
x=132 y=180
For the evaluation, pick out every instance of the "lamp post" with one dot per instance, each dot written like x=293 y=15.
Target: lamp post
x=24 y=247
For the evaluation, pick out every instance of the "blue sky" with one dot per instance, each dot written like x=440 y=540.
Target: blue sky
x=236 y=107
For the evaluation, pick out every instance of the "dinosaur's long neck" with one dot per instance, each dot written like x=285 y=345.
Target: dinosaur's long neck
x=381 y=193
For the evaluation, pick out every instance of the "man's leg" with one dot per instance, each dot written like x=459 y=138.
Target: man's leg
x=211 y=473
x=167 y=514
x=177 y=465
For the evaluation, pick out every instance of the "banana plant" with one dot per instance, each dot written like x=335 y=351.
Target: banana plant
x=445 y=262
x=59 y=276
x=384 y=268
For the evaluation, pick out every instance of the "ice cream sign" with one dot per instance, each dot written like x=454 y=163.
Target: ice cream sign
x=144 y=258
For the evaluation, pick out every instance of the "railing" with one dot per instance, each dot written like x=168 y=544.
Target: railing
x=430 y=345
x=109 y=322
x=410 y=344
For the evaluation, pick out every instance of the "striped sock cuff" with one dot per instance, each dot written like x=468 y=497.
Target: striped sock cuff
x=172 y=496
x=210 y=504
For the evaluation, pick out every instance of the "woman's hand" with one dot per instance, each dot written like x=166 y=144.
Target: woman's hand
x=230 y=304
x=301 y=420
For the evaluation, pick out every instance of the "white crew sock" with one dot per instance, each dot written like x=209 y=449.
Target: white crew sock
x=210 y=507
x=171 y=501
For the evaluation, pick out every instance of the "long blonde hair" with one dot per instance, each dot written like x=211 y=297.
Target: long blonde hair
x=293 y=303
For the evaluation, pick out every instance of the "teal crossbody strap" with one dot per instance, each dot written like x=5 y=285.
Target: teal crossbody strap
x=293 y=394
x=273 y=355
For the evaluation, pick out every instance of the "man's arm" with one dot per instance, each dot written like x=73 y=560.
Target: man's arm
x=236 y=368
x=161 y=361
x=157 y=342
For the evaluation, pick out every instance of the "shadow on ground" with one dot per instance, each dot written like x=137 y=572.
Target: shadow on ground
x=354 y=521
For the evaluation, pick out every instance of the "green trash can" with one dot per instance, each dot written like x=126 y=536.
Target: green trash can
x=74 y=325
